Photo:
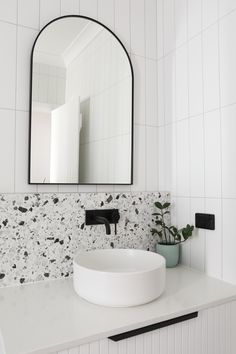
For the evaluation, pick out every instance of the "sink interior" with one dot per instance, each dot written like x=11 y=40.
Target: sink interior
x=119 y=260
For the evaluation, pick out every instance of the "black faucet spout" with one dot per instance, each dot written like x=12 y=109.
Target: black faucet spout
x=103 y=220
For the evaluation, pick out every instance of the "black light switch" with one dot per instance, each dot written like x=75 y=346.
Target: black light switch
x=205 y=221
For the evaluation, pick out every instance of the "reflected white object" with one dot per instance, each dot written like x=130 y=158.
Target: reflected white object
x=65 y=147
x=119 y=277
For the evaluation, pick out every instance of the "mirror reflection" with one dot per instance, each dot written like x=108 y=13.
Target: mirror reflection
x=81 y=105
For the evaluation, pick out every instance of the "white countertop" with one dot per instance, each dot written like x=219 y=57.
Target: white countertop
x=48 y=316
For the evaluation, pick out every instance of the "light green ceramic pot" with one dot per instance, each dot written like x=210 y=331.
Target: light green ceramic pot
x=170 y=253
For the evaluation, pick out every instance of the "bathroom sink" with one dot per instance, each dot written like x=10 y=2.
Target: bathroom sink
x=119 y=277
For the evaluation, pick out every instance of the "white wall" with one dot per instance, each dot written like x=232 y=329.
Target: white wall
x=134 y=21
x=197 y=124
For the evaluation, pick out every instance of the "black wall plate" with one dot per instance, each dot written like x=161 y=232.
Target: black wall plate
x=112 y=216
x=205 y=221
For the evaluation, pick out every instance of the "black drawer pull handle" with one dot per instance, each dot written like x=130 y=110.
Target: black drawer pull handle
x=153 y=327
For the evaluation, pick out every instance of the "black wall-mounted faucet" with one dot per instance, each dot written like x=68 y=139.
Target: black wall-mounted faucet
x=102 y=220
x=102 y=216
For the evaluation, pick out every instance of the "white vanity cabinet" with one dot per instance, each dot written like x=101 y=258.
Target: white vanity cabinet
x=212 y=332
x=50 y=318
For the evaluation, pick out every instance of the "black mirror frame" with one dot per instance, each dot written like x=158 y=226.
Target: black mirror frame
x=132 y=103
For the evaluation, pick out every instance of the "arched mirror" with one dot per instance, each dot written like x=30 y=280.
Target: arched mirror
x=81 y=105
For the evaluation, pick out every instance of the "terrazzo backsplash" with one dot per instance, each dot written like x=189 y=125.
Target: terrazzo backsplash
x=40 y=233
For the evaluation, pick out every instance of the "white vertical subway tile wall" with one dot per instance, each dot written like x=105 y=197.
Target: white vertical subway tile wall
x=201 y=131
x=184 y=55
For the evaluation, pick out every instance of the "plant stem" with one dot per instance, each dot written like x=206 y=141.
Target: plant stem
x=163 y=228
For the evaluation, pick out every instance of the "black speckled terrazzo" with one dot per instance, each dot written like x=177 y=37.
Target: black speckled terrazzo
x=40 y=233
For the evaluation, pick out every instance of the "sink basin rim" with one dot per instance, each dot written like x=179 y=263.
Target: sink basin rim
x=123 y=251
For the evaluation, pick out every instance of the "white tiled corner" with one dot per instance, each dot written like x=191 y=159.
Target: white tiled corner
x=28 y=13
x=139 y=67
x=151 y=92
x=180 y=22
x=197 y=158
x=227 y=59
x=7 y=60
x=229 y=240
x=195 y=76
x=7 y=150
x=25 y=41
x=151 y=28
x=228 y=123
x=197 y=241
x=8 y=10
x=183 y=159
x=211 y=68
x=214 y=239
x=137 y=23
x=212 y=131
x=194 y=17
x=181 y=82
x=49 y=10
x=106 y=12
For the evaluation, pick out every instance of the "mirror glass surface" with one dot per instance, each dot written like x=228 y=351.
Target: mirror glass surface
x=81 y=120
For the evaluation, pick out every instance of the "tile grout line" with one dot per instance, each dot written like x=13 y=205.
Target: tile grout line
x=203 y=132
x=145 y=103
x=16 y=74
x=189 y=145
x=221 y=139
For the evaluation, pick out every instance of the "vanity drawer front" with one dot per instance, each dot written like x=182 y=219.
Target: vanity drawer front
x=209 y=333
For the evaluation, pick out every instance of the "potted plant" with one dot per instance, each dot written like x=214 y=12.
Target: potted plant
x=169 y=237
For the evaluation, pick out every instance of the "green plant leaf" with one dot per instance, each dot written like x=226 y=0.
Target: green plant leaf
x=156 y=214
x=158 y=205
x=187 y=231
x=165 y=205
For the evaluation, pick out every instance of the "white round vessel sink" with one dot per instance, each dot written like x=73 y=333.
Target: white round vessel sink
x=119 y=277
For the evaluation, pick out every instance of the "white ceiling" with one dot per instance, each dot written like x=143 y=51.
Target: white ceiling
x=56 y=38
